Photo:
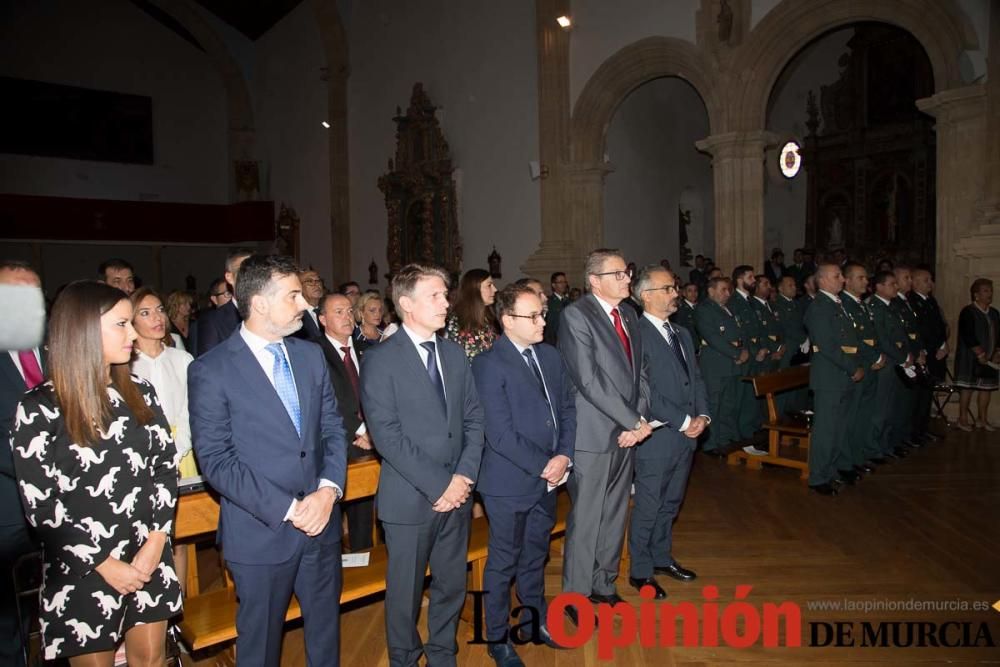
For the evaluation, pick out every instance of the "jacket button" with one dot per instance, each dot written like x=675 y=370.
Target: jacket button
x=445 y=466
x=548 y=422
x=301 y=494
x=449 y=434
x=302 y=455
x=685 y=384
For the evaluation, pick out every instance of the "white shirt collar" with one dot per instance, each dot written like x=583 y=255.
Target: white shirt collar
x=337 y=344
x=745 y=295
x=689 y=303
x=763 y=302
x=417 y=340
x=605 y=305
x=786 y=298
x=832 y=296
x=255 y=342
x=657 y=322
x=922 y=296
x=879 y=297
x=853 y=298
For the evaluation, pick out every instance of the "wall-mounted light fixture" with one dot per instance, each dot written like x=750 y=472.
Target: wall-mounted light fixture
x=325 y=124
x=564 y=22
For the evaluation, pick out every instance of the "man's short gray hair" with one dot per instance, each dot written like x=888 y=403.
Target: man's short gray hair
x=596 y=259
x=641 y=282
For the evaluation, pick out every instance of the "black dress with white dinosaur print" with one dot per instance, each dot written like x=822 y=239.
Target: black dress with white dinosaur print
x=89 y=503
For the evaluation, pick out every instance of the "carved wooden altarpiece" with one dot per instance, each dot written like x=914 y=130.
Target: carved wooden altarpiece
x=871 y=166
x=420 y=192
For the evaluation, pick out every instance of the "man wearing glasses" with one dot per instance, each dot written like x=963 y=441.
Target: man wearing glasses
x=528 y=403
x=602 y=350
x=677 y=397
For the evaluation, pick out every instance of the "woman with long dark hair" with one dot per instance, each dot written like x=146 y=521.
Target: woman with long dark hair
x=473 y=323
x=96 y=468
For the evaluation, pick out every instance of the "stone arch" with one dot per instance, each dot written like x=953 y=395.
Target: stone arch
x=940 y=27
x=640 y=62
x=238 y=102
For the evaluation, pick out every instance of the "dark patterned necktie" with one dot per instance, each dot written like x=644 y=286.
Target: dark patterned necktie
x=433 y=372
x=675 y=345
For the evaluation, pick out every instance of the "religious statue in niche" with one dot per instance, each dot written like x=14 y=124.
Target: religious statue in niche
x=420 y=192
x=725 y=21
x=683 y=220
x=286 y=236
x=373 y=273
x=247 y=180
x=494 y=261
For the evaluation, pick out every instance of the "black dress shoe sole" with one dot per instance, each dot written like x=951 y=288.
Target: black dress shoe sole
x=674 y=575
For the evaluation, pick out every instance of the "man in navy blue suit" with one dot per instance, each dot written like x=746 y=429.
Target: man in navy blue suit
x=423 y=413
x=269 y=439
x=530 y=407
x=216 y=325
x=677 y=397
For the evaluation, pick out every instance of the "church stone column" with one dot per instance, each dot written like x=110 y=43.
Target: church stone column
x=738 y=181
x=553 y=143
x=961 y=134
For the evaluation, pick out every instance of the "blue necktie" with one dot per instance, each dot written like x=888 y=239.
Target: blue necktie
x=284 y=384
x=538 y=373
x=674 y=344
x=433 y=372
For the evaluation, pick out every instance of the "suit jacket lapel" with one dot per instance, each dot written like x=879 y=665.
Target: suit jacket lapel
x=301 y=371
x=607 y=329
x=10 y=370
x=255 y=379
x=506 y=347
x=411 y=359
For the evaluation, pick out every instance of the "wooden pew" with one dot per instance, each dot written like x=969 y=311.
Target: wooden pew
x=209 y=618
x=788 y=438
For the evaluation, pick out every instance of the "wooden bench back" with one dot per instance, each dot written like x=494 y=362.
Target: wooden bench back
x=773 y=383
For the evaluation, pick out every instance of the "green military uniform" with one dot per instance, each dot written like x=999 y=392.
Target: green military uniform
x=721 y=343
x=908 y=398
x=770 y=326
x=685 y=317
x=554 y=307
x=835 y=359
x=749 y=413
x=791 y=313
x=862 y=440
x=890 y=334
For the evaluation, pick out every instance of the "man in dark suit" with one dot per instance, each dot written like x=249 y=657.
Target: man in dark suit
x=558 y=300
x=934 y=333
x=698 y=275
x=270 y=441
x=312 y=292
x=218 y=324
x=724 y=354
x=677 y=398
x=835 y=369
x=423 y=412
x=600 y=344
x=529 y=405
x=775 y=268
x=20 y=370
x=343 y=352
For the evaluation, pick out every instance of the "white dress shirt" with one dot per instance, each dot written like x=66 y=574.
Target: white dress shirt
x=354 y=357
x=258 y=346
x=417 y=340
x=658 y=325
x=607 y=311
x=167 y=372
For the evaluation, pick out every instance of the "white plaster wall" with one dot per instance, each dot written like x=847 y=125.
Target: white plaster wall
x=601 y=28
x=478 y=63
x=651 y=146
x=112 y=45
x=290 y=105
x=785 y=199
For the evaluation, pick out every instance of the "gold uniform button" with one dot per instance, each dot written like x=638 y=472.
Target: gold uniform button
x=870 y=342
x=848 y=349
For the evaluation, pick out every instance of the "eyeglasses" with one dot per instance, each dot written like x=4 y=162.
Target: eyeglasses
x=619 y=275
x=666 y=288
x=226 y=294
x=534 y=317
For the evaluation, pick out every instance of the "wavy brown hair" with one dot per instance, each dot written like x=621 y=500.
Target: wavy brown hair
x=470 y=310
x=76 y=362
x=136 y=299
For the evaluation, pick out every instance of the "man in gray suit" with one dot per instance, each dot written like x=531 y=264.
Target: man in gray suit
x=602 y=350
x=677 y=397
x=421 y=407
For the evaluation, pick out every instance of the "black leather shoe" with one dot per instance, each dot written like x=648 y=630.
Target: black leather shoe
x=912 y=444
x=864 y=469
x=546 y=636
x=637 y=584
x=824 y=489
x=897 y=453
x=677 y=572
x=849 y=476
x=504 y=655
x=714 y=453
x=571 y=614
x=612 y=599
x=878 y=460
x=931 y=437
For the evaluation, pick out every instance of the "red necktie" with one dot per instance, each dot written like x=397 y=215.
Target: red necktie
x=620 y=330
x=352 y=371
x=30 y=369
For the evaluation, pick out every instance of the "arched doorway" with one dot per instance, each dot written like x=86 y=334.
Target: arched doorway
x=658 y=193
x=848 y=100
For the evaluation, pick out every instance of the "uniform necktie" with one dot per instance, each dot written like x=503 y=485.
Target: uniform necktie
x=433 y=372
x=30 y=369
x=284 y=384
x=675 y=346
x=622 y=336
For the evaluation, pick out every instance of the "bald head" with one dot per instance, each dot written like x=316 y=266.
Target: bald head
x=829 y=278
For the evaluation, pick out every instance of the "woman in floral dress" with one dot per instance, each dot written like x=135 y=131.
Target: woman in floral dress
x=96 y=469
x=473 y=323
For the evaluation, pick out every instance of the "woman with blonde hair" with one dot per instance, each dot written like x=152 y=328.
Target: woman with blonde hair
x=368 y=313
x=180 y=306
x=96 y=468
